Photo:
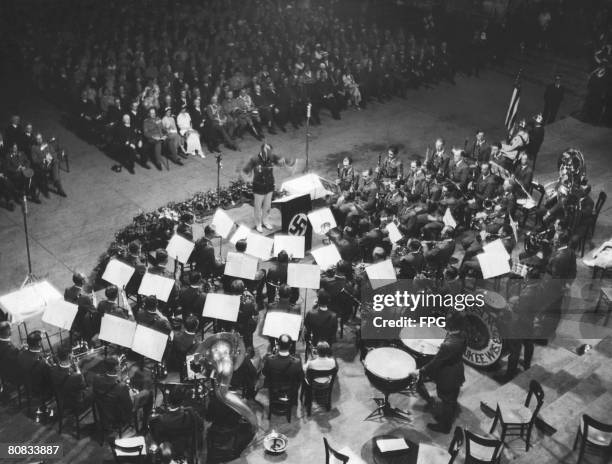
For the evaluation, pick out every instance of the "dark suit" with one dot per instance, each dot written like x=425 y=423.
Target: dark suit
x=71 y=388
x=446 y=370
x=552 y=101
x=71 y=294
x=459 y=173
x=486 y=187
x=321 y=326
x=178 y=427
x=439 y=163
x=480 y=153
x=536 y=138
x=281 y=370
x=106 y=307
x=34 y=371
x=154 y=321
x=113 y=399
x=8 y=361
x=562 y=264
x=191 y=301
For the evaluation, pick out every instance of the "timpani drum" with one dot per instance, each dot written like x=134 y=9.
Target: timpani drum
x=422 y=341
x=389 y=368
x=494 y=300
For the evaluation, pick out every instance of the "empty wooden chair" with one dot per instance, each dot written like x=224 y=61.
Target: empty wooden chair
x=518 y=419
x=129 y=450
x=594 y=437
x=481 y=450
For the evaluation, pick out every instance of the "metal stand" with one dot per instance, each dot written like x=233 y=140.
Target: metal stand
x=308 y=109
x=384 y=409
x=30 y=277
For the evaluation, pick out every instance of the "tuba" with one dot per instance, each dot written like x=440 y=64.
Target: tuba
x=224 y=352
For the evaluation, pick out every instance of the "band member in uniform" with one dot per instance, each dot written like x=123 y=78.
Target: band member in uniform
x=204 y=257
x=262 y=166
x=46 y=166
x=8 y=355
x=347 y=177
x=72 y=294
x=446 y=370
x=320 y=324
x=392 y=167
x=458 y=169
x=192 y=298
x=480 y=151
x=151 y=317
x=68 y=381
x=523 y=173
x=438 y=163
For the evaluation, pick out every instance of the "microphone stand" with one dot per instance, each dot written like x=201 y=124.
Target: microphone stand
x=218 y=157
x=308 y=110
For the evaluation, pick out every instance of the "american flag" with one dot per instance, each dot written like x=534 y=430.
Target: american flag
x=514 y=102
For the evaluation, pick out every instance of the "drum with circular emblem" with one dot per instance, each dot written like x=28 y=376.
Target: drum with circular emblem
x=484 y=341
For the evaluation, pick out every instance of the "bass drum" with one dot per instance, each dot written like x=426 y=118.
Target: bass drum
x=484 y=342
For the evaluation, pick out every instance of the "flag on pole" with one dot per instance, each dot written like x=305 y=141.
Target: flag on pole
x=514 y=102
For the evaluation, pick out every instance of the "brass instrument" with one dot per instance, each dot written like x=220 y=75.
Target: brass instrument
x=225 y=352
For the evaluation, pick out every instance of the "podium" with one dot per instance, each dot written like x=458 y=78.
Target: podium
x=294 y=211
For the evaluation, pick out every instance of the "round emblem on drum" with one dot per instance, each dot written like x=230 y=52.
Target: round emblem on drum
x=484 y=342
x=298 y=224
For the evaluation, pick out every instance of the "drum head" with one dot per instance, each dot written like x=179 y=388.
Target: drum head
x=389 y=363
x=484 y=343
x=413 y=339
x=494 y=300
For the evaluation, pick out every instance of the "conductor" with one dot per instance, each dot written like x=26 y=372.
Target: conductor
x=446 y=370
x=261 y=165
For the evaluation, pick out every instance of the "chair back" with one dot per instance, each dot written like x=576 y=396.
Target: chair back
x=332 y=456
x=282 y=396
x=535 y=391
x=481 y=449
x=596 y=434
x=456 y=444
x=126 y=453
x=314 y=377
x=601 y=199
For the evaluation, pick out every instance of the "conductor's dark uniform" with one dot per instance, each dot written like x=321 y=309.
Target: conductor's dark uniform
x=446 y=370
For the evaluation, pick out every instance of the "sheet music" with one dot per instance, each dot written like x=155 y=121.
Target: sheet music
x=391 y=444
x=149 y=342
x=180 y=248
x=394 y=234
x=294 y=245
x=243 y=232
x=153 y=284
x=326 y=256
x=493 y=265
x=259 y=246
x=304 y=275
x=497 y=248
x=381 y=274
x=222 y=223
x=117 y=330
x=322 y=220
x=60 y=313
x=118 y=273
x=309 y=183
x=241 y=265
x=221 y=306
x=278 y=323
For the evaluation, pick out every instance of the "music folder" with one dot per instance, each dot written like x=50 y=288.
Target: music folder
x=294 y=245
x=153 y=284
x=118 y=273
x=326 y=256
x=322 y=220
x=259 y=246
x=222 y=223
x=304 y=276
x=117 y=330
x=60 y=313
x=242 y=232
x=394 y=233
x=149 y=342
x=493 y=264
x=180 y=248
x=241 y=265
x=381 y=274
x=278 y=323
x=221 y=306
